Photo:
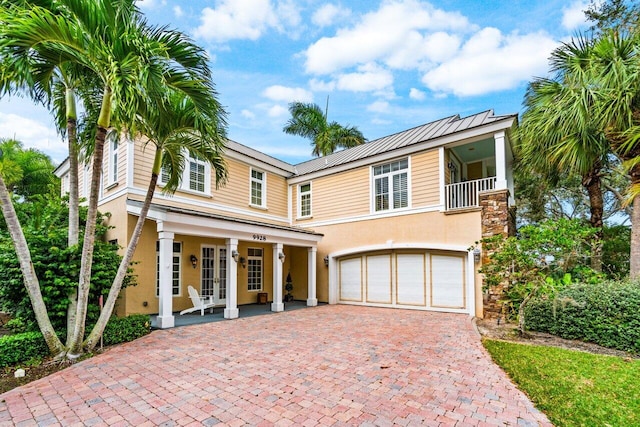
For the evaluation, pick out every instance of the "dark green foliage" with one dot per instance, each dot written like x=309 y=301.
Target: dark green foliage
x=125 y=329
x=605 y=313
x=45 y=226
x=615 y=251
x=22 y=347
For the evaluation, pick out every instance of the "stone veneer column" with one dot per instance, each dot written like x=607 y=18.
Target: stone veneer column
x=496 y=219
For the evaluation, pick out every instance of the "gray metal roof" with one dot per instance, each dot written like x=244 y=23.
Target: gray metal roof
x=426 y=132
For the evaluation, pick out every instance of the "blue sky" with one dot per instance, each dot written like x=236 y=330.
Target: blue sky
x=386 y=66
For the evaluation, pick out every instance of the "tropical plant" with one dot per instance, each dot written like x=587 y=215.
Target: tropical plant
x=308 y=121
x=27 y=172
x=134 y=63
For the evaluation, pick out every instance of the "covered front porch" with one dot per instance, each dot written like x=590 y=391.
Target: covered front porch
x=233 y=263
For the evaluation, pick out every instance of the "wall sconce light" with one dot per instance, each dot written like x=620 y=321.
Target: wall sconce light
x=326 y=261
x=281 y=257
x=194 y=261
x=476 y=254
x=243 y=262
x=235 y=255
x=451 y=165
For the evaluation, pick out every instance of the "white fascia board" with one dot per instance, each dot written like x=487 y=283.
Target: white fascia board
x=392 y=245
x=464 y=137
x=252 y=161
x=62 y=169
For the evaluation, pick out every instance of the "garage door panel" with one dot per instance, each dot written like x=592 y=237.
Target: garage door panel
x=379 y=279
x=411 y=275
x=351 y=279
x=447 y=281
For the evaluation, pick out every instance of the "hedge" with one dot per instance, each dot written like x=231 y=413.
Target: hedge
x=20 y=348
x=605 y=313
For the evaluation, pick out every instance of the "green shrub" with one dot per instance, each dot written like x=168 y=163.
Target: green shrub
x=19 y=348
x=606 y=313
x=124 y=329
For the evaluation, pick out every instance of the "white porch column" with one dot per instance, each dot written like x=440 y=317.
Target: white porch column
x=231 y=310
x=312 y=300
x=165 y=293
x=501 y=160
x=277 y=304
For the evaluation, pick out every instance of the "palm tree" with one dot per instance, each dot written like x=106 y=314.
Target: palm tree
x=175 y=128
x=558 y=135
x=134 y=63
x=308 y=120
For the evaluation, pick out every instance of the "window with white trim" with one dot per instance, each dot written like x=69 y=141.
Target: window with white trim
x=390 y=186
x=257 y=188
x=254 y=269
x=304 y=200
x=175 y=268
x=196 y=176
x=113 y=161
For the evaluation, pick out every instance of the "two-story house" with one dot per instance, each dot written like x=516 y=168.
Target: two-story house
x=388 y=223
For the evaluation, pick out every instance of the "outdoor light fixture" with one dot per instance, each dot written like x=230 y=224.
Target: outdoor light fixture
x=476 y=254
x=281 y=257
x=243 y=262
x=326 y=261
x=235 y=255
x=194 y=261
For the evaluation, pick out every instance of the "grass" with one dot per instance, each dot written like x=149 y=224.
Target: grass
x=573 y=388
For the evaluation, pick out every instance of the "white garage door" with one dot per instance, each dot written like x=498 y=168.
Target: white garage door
x=420 y=280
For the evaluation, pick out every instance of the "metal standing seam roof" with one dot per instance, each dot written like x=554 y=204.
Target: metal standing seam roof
x=429 y=131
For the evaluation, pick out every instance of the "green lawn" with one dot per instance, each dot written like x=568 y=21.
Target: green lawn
x=573 y=388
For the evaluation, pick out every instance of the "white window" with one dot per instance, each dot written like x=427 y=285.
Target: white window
x=258 y=188
x=304 y=200
x=390 y=186
x=113 y=161
x=175 y=268
x=196 y=176
x=254 y=269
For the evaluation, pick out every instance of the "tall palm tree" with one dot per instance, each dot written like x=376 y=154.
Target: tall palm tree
x=175 y=127
x=134 y=64
x=309 y=121
x=558 y=134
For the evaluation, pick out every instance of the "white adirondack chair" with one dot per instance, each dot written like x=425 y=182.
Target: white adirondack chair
x=199 y=303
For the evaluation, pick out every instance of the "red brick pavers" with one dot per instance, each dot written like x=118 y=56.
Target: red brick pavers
x=322 y=366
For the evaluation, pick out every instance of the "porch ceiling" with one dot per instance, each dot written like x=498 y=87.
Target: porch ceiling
x=475 y=151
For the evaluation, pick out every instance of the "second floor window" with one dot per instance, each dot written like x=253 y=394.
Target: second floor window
x=257 y=188
x=390 y=185
x=195 y=176
x=304 y=200
x=113 y=172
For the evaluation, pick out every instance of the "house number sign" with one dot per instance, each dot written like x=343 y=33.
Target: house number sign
x=260 y=237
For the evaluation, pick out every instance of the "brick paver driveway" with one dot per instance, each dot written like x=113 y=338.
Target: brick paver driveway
x=328 y=365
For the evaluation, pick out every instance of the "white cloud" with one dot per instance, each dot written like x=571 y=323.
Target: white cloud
x=237 y=19
x=287 y=94
x=368 y=78
x=489 y=62
x=408 y=27
x=150 y=4
x=328 y=14
x=573 y=15
x=33 y=134
x=417 y=94
x=247 y=114
x=322 y=86
x=277 y=111
x=178 y=12
x=378 y=107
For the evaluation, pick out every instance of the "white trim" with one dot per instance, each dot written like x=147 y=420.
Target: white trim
x=377 y=215
x=235 y=155
x=290 y=203
x=299 y=195
x=441 y=177
x=263 y=188
x=131 y=148
x=465 y=137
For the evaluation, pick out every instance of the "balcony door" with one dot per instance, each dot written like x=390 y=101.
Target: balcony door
x=214 y=273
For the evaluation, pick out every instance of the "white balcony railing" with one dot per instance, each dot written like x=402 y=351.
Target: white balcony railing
x=465 y=194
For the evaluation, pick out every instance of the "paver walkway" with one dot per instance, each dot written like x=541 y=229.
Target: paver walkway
x=329 y=365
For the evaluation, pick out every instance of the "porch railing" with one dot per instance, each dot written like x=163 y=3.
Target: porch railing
x=462 y=195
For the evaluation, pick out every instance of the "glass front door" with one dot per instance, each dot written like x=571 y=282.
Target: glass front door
x=214 y=273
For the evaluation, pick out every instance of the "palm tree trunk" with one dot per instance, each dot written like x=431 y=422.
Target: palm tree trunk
x=74 y=205
x=84 y=279
x=28 y=273
x=592 y=184
x=116 y=286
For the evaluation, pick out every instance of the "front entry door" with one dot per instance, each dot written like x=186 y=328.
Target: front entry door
x=214 y=273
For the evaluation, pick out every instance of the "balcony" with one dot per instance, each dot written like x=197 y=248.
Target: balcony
x=464 y=195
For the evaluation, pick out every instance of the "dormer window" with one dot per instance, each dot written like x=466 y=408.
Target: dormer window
x=258 y=188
